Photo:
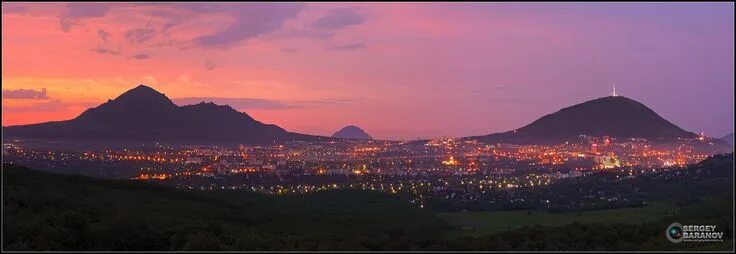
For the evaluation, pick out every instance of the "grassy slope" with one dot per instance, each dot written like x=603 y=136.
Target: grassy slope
x=709 y=202
x=58 y=212
x=482 y=223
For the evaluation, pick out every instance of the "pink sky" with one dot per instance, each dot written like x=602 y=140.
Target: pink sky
x=399 y=71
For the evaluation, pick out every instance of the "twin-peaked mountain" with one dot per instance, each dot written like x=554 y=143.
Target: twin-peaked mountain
x=614 y=116
x=144 y=114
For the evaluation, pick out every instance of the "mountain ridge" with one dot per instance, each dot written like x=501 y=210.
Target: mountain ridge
x=144 y=114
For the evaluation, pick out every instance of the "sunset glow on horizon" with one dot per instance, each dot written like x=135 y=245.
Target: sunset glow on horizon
x=396 y=70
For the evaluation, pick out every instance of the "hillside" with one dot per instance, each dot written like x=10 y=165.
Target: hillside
x=728 y=139
x=45 y=211
x=614 y=116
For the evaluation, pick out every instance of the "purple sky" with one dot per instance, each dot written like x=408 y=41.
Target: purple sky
x=399 y=71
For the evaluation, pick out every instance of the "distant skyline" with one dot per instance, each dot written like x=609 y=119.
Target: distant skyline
x=396 y=70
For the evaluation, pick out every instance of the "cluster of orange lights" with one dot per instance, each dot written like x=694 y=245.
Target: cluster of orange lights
x=245 y=170
x=450 y=162
x=146 y=158
x=152 y=176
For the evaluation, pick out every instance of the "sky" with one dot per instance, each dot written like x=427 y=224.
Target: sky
x=397 y=70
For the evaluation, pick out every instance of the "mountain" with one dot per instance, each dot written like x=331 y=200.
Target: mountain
x=146 y=115
x=352 y=132
x=728 y=139
x=614 y=116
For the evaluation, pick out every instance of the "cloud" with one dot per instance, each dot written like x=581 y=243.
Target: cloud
x=237 y=103
x=246 y=20
x=104 y=51
x=9 y=8
x=140 y=35
x=209 y=65
x=103 y=35
x=46 y=106
x=349 y=46
x=51 y=105
x=338 y=19
x=334 y=100
x=251 y=20
x=141 y=56
x=86 y=10
x=75 y=11
x=25 y=94
x=289 y=49
x=66 y=24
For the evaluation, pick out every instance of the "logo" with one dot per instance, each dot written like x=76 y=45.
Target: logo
x=677 y=233
x=674 y=232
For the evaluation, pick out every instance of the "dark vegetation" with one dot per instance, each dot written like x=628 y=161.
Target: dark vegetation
x=60 y=212
x=45 y=211
x=606 y=190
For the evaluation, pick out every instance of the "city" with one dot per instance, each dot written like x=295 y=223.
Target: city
x=451 y=169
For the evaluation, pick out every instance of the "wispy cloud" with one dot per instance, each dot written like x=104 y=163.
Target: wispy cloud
x=103 y=35
x=141 y=56
x=66 y=24
x=334 y=100
x=139 y=35
x=349 y=46
x=104 y=51
x=289 y=49
x=46 y=106
x=75 y=11
x=251 y=20
x=86 y=10
x=25 y=94
x=210 y=65
x=338 y=19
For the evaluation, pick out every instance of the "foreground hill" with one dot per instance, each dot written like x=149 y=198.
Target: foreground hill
x=44 y=211
x=728 y=139
x=146 y=115
x=614 y=116
x=352 y=132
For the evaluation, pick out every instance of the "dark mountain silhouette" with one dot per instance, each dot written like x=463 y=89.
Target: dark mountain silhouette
x=614 y=116
x=728 y=139
x=352 y=132
x=144 y=114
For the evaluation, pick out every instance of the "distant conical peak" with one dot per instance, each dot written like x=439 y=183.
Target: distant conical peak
x=352 y=132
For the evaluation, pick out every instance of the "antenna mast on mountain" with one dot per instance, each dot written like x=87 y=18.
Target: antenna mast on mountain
x=614 y=90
